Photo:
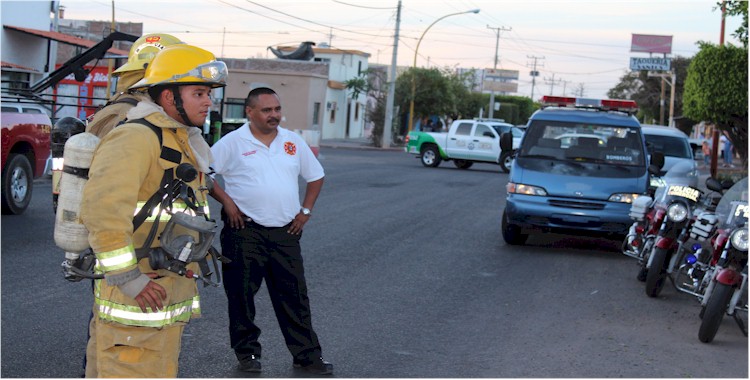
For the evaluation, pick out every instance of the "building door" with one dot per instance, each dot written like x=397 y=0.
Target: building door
x=348 y=117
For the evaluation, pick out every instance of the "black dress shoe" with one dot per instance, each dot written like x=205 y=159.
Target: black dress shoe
x=250 y=364
x=316 y=367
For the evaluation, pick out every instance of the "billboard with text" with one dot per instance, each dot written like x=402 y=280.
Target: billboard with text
x=649 y=43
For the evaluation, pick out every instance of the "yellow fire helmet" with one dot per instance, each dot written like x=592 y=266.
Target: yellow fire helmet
x=144 y=50
x=184 y=64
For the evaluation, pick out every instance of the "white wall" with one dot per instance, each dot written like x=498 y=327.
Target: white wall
x=342 y=67
x=20 y=48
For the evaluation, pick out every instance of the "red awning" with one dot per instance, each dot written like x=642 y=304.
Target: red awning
x=64 y=38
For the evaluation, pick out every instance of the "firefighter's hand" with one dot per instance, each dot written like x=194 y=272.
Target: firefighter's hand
x=151 y=295
x=298 y=224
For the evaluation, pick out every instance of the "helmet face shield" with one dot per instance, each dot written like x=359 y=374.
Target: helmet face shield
x=213 y=73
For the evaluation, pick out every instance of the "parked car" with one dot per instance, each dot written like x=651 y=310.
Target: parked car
x=675 y=146
x=25 y=152
x=586 y=186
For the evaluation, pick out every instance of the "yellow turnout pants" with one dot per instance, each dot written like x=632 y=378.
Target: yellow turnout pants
x=115 y=350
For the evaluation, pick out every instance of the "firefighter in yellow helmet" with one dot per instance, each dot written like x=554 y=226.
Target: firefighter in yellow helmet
x=140 y=307
x=141 y=53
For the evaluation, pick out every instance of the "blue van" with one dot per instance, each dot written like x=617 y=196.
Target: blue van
x=580 y=165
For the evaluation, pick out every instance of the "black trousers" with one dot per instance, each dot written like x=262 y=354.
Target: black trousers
x=259 y=253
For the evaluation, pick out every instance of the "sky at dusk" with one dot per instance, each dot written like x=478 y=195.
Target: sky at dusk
x=575 y=44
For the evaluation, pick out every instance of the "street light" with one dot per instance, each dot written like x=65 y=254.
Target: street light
x=414 y=66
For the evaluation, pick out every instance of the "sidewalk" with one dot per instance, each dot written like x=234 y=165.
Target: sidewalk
x=355 y=143
x=705 y=171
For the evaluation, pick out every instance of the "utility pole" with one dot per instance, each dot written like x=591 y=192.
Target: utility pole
x=565 y=85
x=715 y=135
x=497 y=44
x=552 y=82
x=534 y=73
x=580 y=91
x=110 y=62
x=388 y=123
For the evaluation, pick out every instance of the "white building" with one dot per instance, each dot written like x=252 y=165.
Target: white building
x=343 y=117
x=26 y=59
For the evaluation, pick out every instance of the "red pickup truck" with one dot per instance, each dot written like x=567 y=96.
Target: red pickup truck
x=25 y=150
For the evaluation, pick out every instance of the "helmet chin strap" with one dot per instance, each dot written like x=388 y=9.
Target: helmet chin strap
x=180 y=108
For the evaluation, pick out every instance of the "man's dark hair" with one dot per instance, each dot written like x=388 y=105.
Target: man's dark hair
x=155 y=91
x=253 y=95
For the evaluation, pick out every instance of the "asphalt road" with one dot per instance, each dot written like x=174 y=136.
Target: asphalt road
x=409 y=277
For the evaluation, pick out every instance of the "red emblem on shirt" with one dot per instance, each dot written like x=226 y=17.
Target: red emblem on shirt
x=290 y=148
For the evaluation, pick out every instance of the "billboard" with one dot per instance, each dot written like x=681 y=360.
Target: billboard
x=500 y=86
x=649 y=43
x=656 y=64
x=500 y=74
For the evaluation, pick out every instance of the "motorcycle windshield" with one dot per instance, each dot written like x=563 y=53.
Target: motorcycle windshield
x=675 y=184
x=732 y=209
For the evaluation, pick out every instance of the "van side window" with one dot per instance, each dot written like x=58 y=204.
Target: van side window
x=10 y=109
x=31 y=110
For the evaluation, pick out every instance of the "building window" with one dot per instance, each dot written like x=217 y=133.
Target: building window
x=356 y=111
x=316 y=114
x=12 y=79
x=235 y=108
x=333 y=114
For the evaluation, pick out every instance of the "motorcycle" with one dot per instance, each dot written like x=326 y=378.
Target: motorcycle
x=726 y=293
x=691 y=275
x=642 y=232
x=674 y=208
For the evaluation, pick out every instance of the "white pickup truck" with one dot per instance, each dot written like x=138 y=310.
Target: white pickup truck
x=466 y=142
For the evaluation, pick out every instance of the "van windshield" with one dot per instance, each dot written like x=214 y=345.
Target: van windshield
x=567 y=141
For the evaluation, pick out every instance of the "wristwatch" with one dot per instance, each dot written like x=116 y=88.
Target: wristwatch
x=305 y=211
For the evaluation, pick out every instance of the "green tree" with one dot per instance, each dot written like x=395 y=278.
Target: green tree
x=716 y=91
x=377 y=88
x=525 y=107
x=433 y=93
x=738 y=8
x=358 y=85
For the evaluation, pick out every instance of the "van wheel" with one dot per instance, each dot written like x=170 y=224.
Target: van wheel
x=512 y=233
x=431 y=156
x=462 y=164
x=506 y=159
x=17 y=184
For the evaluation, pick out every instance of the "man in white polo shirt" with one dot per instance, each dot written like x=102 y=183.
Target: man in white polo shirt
x=261 y=163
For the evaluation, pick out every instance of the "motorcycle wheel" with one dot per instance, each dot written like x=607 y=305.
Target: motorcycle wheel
x=714 y=312
x=657 y=274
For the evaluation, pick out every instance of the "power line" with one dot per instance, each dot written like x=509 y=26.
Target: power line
x=361 y=6
x=310 y=21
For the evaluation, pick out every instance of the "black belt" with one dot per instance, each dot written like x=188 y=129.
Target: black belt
x=250 y=222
